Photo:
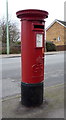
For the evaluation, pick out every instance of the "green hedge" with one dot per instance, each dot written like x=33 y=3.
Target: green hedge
x=50 y=46
x=15 y=48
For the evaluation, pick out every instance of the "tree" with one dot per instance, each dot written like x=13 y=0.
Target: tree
x=14 y=33
x=14 y=36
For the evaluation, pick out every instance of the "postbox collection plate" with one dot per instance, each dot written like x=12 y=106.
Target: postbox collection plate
x=39 y=40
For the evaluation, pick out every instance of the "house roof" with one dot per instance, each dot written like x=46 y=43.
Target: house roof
x=63 y=23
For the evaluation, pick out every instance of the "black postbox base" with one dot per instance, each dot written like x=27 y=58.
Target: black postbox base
x=31 y=94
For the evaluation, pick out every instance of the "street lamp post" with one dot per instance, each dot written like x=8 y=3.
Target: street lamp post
x=7 y=30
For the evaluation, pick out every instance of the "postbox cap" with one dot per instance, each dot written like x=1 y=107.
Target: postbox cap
x=32 y=14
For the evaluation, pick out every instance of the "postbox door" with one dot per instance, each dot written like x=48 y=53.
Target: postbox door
x=38 y=60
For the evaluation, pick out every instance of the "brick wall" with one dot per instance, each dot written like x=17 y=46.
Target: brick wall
x=61 y=48
x=54 y=32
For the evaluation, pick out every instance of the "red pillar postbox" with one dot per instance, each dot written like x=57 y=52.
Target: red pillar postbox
x=32 y=57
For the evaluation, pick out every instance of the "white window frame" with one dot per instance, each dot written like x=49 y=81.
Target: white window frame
x=58 y=38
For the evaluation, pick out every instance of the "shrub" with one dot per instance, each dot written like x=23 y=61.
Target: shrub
x=15 y=48
x=50 y=46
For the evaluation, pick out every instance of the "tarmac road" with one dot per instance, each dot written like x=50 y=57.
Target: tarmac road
x=11 y=73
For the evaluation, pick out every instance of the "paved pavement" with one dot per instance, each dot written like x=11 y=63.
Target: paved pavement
x=52 y=107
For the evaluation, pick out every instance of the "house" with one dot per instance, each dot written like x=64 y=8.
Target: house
x=56 y=33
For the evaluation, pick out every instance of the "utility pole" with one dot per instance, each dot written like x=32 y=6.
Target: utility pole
x=7 y=30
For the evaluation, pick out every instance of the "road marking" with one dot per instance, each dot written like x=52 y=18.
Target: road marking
x=17 y=96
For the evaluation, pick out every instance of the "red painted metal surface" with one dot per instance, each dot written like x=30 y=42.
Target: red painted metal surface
x=32 y=43
x=32 y=14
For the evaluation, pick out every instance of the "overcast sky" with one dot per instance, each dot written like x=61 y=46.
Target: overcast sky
x=55 y=8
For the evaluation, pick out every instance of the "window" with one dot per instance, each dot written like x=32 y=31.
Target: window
x=58 y=38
